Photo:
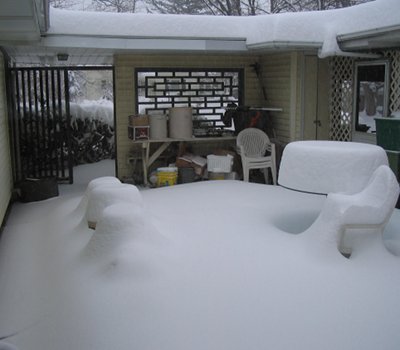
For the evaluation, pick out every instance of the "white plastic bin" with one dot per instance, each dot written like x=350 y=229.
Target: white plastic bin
x=219 y=164
x=158 y=127
x=180 y=122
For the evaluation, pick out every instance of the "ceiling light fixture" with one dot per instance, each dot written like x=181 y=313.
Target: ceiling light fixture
x=62 y=56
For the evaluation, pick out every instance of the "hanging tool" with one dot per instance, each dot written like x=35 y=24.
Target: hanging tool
x=257 y=68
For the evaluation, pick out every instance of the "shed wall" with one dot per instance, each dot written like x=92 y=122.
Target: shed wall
x=125 y=88
x=6 y=184
x=281 y=76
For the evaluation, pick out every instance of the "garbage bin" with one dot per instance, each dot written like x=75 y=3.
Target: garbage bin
x=388 y=137
x=38 y=189
x=388 y=133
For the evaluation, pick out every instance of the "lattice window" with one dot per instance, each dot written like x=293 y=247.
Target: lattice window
x=341 y=101
x=394 y=97
x=207 y=91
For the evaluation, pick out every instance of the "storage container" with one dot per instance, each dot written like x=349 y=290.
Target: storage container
x=167 y=176
x=186 y=175
x=388 y=133
x=158 y=127
x=139 y=120
x=221 y=164
x=216 y=175
x=180 y=123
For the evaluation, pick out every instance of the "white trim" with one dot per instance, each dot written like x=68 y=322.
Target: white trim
x=300 y=45
x=153 y=44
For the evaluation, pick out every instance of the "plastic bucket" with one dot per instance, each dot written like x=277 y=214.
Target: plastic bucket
x=158 y=127
x=216 y=175
x=180 y=122
x=167 y=176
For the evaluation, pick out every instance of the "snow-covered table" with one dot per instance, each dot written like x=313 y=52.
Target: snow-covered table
x=329 y=166
x=148 y=159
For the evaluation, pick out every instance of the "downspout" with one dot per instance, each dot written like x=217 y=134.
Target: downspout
x=293 y=95
x=42 y=10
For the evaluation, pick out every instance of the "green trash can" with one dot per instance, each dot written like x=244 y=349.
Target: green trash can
x=394 y=162
x=388 y=133
x=388 y=137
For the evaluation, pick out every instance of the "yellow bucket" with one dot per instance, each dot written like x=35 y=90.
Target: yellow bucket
x=167 y=176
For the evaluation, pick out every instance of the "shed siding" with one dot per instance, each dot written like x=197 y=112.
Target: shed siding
x=125 y=88
x=277 y=76
x=5 y=159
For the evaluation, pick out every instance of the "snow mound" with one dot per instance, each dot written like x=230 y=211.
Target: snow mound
x=100 y=181
x=7 y=346
x=101 y=110
x=370 y=209
x=329 y=166
x=102 y=196
x=118 y=224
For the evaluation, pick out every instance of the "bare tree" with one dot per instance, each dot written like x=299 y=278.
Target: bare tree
x=224 y=7
x=209 y=7
x=115 y=5
x=194 y=7
x=310 y=5
x=64 y=4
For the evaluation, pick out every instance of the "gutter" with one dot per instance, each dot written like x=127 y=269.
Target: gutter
x=367 y=33
x=42 y=14
x=270 y=45
x=138 y=43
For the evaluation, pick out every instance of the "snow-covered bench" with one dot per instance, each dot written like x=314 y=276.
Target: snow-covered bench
x=329 y=166
x=361 y=189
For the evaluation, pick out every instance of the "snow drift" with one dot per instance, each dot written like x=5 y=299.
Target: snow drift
x=201 y=265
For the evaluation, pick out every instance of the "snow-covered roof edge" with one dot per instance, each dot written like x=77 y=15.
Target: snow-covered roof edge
x=303 y=30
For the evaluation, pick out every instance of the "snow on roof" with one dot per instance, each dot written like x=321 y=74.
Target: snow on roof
x=318 y=29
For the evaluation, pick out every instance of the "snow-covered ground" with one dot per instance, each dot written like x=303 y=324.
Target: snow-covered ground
x=216 y=265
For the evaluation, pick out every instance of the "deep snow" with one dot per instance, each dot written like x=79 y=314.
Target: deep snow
x=318 y=28
x=213 y=265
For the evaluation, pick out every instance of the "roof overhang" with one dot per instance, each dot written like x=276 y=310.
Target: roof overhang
x=130 y=43
x=379 y=38
x=29 y=40
x=22 y=21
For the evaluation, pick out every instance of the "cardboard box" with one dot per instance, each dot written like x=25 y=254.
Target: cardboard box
x=139 y=120
x=141 y=133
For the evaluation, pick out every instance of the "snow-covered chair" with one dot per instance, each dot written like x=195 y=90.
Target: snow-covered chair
x=7 y=346
x=100 y=181
x=252 y=145
x=118 y=224
x=369 y=209
x=105 y=195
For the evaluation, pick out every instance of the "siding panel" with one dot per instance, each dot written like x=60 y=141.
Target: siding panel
x=277 y=82
x=5 y=159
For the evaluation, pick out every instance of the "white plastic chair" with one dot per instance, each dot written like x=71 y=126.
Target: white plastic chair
x=369 y=209
x=252 y=144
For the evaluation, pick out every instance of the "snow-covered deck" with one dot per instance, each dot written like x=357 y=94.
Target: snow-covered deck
x=219 y=265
